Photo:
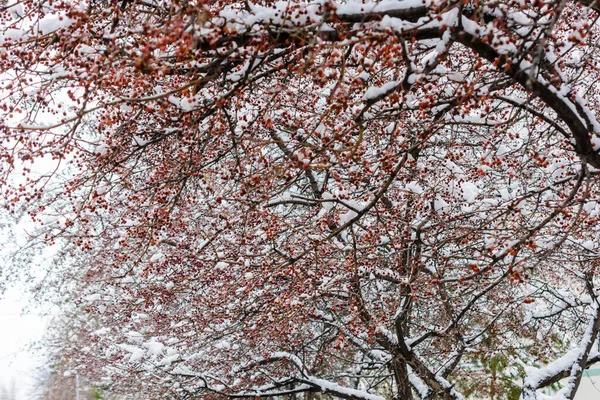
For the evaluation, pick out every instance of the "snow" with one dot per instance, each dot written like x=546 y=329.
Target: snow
x=138 y=141
x=12 y=35
x=589 y=245
x=460 y=188
x=470 y=191
x=16 y=11
x=221 y=266
x=327 y=205
x=395 y=24
x=502 y=150
x=347 y=217
x=134 y=336
x=414 y=187
x=102 y=149
x=155 y=348
x=347 y=392
x=440 y=204
x=136 y=353
x=359 y=7
x=52 y=22
x=292 y=13
x=456 y=76
x=520 y=18
x=289 y=356
x=169 y=359
x=569 y=362
x=156 y=257
x=223 y=345
x=93 y=297
x=375 y=92
x=422 y=389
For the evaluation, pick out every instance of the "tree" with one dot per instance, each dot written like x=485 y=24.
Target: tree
x=388 y=199
x=52 y=385
x=8 y=393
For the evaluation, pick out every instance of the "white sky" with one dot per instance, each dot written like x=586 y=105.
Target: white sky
x=18 y=363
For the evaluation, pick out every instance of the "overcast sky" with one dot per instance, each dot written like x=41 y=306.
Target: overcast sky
x=18 y=363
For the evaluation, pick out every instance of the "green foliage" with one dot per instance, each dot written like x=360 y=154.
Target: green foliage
x=98 y=394
x=496 y=377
